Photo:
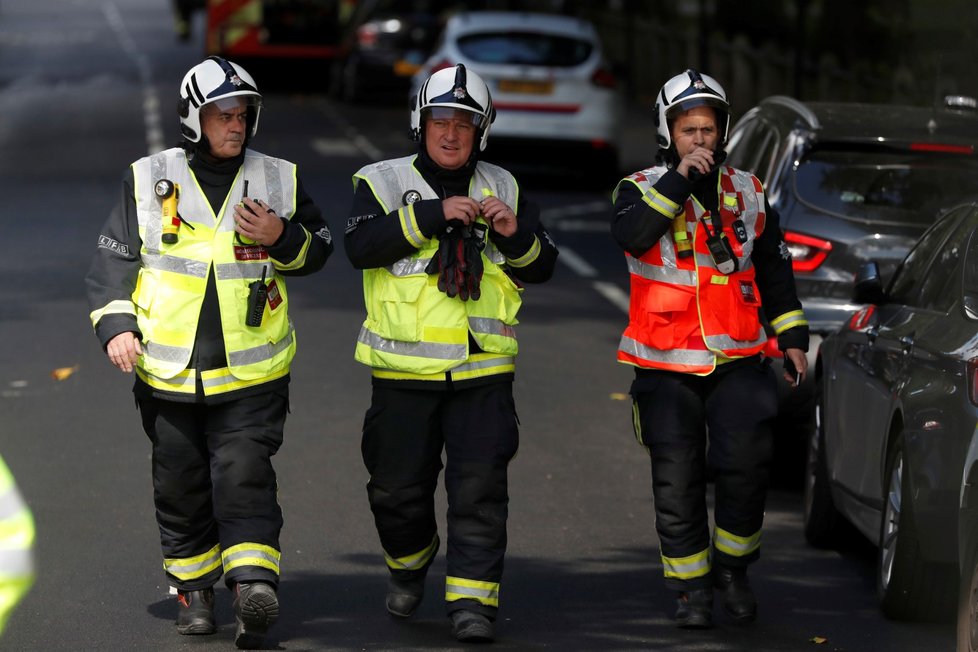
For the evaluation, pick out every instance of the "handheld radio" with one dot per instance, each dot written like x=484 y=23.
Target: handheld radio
x=257 y=295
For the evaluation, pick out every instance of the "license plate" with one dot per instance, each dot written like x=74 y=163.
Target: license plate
x=403 y=68
x=526 y=86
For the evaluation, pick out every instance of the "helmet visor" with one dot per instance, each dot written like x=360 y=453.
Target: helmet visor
x=451 y=113
x=681 y=106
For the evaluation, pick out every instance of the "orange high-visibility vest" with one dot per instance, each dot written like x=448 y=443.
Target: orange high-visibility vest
x=684 y=312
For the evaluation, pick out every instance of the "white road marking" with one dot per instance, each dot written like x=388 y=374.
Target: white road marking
x=576 y=263
x=151 y=102
x=612 y=293
x=354 y=137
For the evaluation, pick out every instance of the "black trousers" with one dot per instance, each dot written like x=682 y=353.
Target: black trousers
x=677 y=414
x=404 y=433
x=213 y=481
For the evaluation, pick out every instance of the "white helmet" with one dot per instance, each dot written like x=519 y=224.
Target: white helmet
x=212 y=80
x=684 y=92
x=454 y=88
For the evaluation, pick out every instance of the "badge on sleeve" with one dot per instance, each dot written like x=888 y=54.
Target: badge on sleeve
x=410 y=197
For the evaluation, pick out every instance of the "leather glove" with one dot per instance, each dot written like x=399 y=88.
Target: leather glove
x=474 y=244
x=445 y=261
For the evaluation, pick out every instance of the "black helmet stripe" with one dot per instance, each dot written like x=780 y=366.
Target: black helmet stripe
x=693 y=88
x=452 y=96
x=193 y=92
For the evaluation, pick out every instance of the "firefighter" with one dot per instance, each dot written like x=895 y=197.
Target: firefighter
x=703 y=247
x=445 y=241
x=16 y=546
x=188 y=288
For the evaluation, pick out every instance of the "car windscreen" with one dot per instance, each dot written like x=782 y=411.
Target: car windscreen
x=525 y=48
x=883 y=186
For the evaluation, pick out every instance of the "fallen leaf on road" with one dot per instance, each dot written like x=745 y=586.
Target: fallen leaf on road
x=63 y=372
x=817 y=640
x=618 y=396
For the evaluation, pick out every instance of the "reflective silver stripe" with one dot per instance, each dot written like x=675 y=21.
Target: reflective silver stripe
x=493 y=254
x=260 y=353
x=274 y=190
x=724 y=342
x=687 y=357
x=490 y=326
x=529 y=256
x=484 y=364
x=415 y=561
x=227 y=271
x=165 y=353
x=409 y=226
x=682 y=568
x=185 y=266
x=660 y=273
x=661 y=204
x=194 y=566
x=409 y=266
x=734 y=545
x=259 y=554
x=428 y=350
x=16 y=562
x=472 y=591
x=10 y=503
x=789 y=320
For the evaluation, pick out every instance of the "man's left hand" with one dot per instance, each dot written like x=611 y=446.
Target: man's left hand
x=500 y=217
x=257 y=222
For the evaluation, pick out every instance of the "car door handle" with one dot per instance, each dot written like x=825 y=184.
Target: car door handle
x=906 y=343
x=872 y=333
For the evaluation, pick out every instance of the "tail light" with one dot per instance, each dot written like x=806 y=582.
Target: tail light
x=440 y=65
x=604 y=78
x=367 y=35
x=973 y=381
x=807 y=253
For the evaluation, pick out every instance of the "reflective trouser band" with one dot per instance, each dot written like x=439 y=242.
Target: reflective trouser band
x=417 y=561
x=191 y=568
x=734 y=545
x=214 y=381
x=251 y=554
x=687 y=568
x=486 y=593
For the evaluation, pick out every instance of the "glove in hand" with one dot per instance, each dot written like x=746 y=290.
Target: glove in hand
x=474 y=244
x=458 y=261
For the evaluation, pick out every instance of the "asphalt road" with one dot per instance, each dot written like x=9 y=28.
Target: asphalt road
x=87 y=87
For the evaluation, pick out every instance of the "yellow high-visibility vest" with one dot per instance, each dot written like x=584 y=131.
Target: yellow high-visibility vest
x=173 y=277
x=16 y=544
x=411 y=325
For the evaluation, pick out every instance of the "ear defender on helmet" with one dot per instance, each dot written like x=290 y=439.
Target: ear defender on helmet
x=209 y=81
x=684 y=92
x=454 y=88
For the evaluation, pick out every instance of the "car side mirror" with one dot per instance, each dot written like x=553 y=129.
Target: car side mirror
x=868 y=286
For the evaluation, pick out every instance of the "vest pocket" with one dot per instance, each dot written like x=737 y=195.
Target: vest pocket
x=664 y=314
x=146 y=287
x=399 y=306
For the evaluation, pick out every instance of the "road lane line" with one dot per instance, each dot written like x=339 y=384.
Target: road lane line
x=576 y=263
x=360 y=141
x=151 y=102
x=612 y=293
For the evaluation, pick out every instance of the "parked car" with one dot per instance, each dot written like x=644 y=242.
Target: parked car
x=384 y=44
x=851 y=183
x=968 y=549
x=896 y=407
x=553 y=91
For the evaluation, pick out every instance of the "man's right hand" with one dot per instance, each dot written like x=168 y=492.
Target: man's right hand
x=464 y=209
x=699 y=159
x=123 y=350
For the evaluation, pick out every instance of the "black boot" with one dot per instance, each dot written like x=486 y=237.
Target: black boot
x=694 y=609
x=738 y=599
x=471 y=627
x=404 y=595
x=195 y=613
x=255 y=610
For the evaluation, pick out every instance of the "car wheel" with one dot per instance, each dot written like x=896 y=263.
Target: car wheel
x=968 y=604
x=909 y=588
x=821 y=516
